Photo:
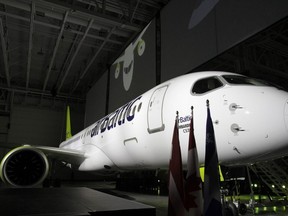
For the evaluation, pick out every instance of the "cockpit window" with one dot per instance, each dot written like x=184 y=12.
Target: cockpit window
x=242 y=80
x=205 y=85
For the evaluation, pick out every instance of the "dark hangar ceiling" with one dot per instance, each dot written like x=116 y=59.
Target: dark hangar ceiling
x=56 y=49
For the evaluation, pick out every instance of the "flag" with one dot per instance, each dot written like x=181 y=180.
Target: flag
x=193 y=183
x=212 y=199
x=176 y=190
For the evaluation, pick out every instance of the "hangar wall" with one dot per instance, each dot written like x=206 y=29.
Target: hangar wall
x=199 y=30
x=192 y=33
x=96 y=101
x=41 y=126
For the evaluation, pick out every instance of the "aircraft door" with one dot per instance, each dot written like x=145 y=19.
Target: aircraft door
x=155 y=110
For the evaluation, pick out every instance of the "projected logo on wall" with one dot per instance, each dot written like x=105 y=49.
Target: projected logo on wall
x=125 y=63
x=199 y=13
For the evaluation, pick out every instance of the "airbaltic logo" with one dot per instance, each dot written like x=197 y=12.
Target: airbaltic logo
x=184 y=123
x=118 y=117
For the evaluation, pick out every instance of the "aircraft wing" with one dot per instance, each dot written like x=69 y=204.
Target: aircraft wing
x=74 y=157
x=90 y=160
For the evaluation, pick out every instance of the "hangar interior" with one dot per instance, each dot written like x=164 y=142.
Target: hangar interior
x=76 y=52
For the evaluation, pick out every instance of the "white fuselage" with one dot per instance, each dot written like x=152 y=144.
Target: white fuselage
x=250 y=123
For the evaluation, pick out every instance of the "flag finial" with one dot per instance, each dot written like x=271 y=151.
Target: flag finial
x=177 y=115
x=207 y=103
x=192 y=108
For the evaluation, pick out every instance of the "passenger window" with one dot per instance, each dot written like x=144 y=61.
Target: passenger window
x=205 y=85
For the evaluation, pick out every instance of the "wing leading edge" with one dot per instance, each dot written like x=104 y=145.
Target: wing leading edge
x=71 y=156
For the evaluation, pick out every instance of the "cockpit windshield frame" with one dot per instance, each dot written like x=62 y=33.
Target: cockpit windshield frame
x=206 y=85
x=243 y=80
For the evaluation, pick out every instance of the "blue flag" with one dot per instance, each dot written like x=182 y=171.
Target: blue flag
x=212 y=199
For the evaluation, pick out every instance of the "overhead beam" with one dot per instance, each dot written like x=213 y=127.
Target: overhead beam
x=100 y=17
x=92 y=60
x=57 y=27
x=119 y=10
x=122 y=10
x=134 y=11
x=4 y=52
x=78 y=18
x=75 y=54
x=55 y=51
x=30 y=42
x=103 y=6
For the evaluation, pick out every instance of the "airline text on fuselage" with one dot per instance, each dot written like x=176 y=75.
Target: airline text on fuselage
x=118 y=117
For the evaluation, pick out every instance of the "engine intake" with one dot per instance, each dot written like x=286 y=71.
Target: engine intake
x=24 y=167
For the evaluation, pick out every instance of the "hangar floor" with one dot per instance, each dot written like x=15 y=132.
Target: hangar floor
x=75 y=201
x=158 y=201
x=161 y=202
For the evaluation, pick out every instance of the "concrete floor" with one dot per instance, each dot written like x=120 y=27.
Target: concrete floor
x=161 y=202
x=64 y=201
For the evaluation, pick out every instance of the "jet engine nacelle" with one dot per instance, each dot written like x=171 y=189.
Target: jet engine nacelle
x=24 y=166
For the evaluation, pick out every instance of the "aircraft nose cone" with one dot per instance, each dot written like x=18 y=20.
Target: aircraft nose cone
x=286 y=114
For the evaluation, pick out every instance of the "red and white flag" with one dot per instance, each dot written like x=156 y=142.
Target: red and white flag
x=193 y=183
x=176 y=190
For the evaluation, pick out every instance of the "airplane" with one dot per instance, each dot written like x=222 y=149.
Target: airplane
x=250 y=121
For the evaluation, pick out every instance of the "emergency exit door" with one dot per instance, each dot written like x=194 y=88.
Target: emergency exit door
x=155 y=110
